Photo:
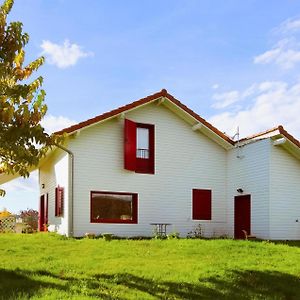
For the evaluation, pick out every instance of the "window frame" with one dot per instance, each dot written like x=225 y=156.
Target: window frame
x=116 y=221
x=146 y=165
x=195 y=213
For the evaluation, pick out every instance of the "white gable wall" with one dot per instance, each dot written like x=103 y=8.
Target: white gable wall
x=184 y=160
x=53 y=173
x=251 y=173
x=284 y=195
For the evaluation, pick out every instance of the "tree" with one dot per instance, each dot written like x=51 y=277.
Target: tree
x=30 y=217
x=23 y=141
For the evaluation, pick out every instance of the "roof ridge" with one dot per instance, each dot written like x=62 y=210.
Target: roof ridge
x=112 y=112
x=162 y=93
x=281 y=130
x=260 y=133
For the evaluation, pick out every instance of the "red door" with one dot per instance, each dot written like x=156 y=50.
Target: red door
x=242 y=216
x=43 y=213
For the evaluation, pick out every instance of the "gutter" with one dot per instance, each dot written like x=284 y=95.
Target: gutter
x=71 y=191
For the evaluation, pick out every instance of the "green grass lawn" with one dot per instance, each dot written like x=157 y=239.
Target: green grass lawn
x=49 y=267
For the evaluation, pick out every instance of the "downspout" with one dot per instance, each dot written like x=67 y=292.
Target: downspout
x=71 y=190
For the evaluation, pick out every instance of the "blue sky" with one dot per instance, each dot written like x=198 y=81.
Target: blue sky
x=233 y=62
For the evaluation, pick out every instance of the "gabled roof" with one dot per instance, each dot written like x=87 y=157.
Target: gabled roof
x=289 y=142
x=279 y=130
x=162 y=94
x=259 y=135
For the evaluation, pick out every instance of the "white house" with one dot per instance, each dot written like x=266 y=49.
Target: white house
x=157 y=161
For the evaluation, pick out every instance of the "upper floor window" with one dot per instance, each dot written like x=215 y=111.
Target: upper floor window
x=142 y=143
x=139 y=147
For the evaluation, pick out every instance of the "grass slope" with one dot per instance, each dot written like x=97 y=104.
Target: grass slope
x=49 y=267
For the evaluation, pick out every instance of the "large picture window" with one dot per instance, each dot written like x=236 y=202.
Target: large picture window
x=113 y=207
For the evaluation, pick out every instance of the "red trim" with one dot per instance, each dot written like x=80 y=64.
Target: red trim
x=201 y=204
x=129 y=145
x=162 y=93
x=117 y=221
x=147 y=165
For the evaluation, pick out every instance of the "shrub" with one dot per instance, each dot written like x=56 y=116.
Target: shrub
x=107 y=236
x=196 y=233
x=173 y=235
x=90 y=235
x=30 y=217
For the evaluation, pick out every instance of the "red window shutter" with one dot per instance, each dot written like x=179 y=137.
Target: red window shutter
x=46 y=209
x=201 y=204
x=56 y=202
x=59 y=201
x=152 y=150
x=130 y=145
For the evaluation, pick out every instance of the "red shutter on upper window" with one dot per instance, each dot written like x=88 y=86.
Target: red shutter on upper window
x=59 y=201
x=201 y=204
x=130 y=145
x=152 y=150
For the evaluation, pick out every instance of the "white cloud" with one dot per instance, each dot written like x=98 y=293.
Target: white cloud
x=288 y=26
x=285 y=54
x=53 y=124
x=215 y=86
x=286 y=51
x=64 y=55
x=274 y=103
x=225 y=99
x=22 y=184
x=21 y=194
x=267 y=57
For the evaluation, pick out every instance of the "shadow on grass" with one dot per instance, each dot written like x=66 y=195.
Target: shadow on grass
x=288 y=243
x=245 y=285
x=240 y=285
x=16 y=284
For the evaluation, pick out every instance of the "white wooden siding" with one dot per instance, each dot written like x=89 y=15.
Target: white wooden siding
x=284 y=195
x=53 y=173
x=184 y=160
x=251 y=173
